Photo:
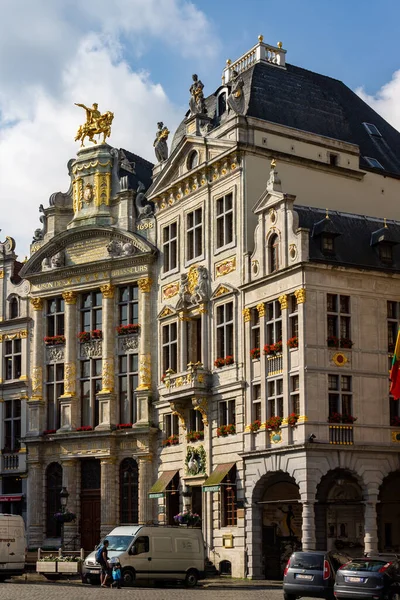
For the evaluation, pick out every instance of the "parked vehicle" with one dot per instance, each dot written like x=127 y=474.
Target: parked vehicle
x=12 y=546
x=152 y=553
x=369 y=578
x=311 y=574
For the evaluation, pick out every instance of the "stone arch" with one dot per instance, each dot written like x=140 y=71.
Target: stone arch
x=53 y=489
x=388 y=513
x=273 y=250
x=14 y=309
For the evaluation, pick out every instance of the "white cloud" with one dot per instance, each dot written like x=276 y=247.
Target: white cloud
x=386 y=101
x=52 y=62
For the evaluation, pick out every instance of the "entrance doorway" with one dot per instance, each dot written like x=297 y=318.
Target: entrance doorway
x=90 y=504
x=388 y=510
x=172 y=499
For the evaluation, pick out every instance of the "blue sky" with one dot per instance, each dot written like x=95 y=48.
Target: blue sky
x=136 y=57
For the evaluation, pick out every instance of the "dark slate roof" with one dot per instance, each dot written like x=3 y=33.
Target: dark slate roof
x=352 y=248
x=143 y=170
x=304 y=100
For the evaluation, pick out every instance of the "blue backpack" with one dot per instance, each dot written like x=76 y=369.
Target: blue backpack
x=99 y=553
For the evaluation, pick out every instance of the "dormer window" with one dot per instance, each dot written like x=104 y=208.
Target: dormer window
x=372 y=129
x=327 y=243
x=221 y=103
x=373 y=162
x=273 y=253
x=386 y=253
x=193 y=160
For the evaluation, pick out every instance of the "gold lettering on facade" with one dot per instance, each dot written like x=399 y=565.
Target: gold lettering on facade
x=283 y=299
x=83 y=252
x=37 y=303
x=300 y=295
x=107 y=290
x=145 y=284
x=69 y=297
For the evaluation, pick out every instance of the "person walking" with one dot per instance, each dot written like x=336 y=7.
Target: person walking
x=105 y=565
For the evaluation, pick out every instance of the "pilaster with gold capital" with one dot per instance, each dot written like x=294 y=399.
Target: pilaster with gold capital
x=108 y=338
x=146 y=479
x=145 y=306
x=69 y=408
x=37 y=350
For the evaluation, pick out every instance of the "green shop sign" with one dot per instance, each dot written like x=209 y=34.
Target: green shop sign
x=157 y=495
x=211 y=488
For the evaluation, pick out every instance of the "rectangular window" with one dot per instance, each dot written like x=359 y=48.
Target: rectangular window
x=229 y=499
x=293 y=317
x=170 y=247
x=171 y=425
x=128 y=381
x=12 y=425
x=394 y=406
x=392 y=324
x=194 y=233
x=275 y=398
x=227 y=412
x=338 y=316
x=274 y=322
x=12 y=359
x=195 y=420
x=295 y=394
x=340 y=394
x=224 y=218
x=91 y=311
x=225 y=330
x=170 y=347
x=128 y=305
x=255 y=328
x=54 y=389
x=90 y=386
x=55 y=317
x=256 y=397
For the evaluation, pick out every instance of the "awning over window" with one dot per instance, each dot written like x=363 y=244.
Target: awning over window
x=16 y=498
x=158 y=489
x=212 y=484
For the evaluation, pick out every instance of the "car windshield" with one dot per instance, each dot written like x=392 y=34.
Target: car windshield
x=312 y=562
x=118 y=542
x=371 y=566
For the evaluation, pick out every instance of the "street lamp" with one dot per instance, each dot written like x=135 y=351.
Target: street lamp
x=63 y=500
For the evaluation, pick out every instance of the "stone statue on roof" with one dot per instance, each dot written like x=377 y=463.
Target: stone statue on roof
x=160 y=143
x=197 y=103
x=235 y=99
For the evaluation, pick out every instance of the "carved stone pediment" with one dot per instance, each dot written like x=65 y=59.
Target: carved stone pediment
x=222 y=290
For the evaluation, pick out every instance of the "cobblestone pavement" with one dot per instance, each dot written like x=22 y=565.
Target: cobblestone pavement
x=19 y=590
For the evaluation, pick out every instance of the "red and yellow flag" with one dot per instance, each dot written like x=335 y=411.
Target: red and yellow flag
x=395 y=370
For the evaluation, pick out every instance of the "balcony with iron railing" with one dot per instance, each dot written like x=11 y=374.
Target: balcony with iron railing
x=13 y=462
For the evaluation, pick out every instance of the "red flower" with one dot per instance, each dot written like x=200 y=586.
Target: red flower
x=219 y=362
x=255 y=425
x=255 y=353
x=172 y=440
x=293 y=342
x=85 y=428
x=124 y=425
x=225 y=430
x=128 y=329
x=274 y=423
x=229 y=360
x=292 y=419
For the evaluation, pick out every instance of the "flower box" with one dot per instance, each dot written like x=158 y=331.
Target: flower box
x=64 y=517
x=172 y=440
x=85 y=428
x=339 y=418
x=255 y=353
x=128 y=329
x=346 y=343
x=225 y=430
x=255 y=425
x=293 y=342
x=195 y=436
x=49 y=431
x=222 y=362
x=54 y=340
x=124 y=426
x=68 y=566
x=292 y=419
x=273 y=349
x=46 y=566
x=274 y=423
x=86 y=336
x=332 y=341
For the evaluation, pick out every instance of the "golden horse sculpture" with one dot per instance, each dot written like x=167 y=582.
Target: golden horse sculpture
x=96 y=123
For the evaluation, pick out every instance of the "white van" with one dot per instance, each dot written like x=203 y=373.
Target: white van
x=12 y=546
x=152 y=553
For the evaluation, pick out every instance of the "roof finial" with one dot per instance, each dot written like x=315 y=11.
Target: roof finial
x=260 y=38
x=279 y=44
x=228 y=62
x=384 y=223
x=273 y=163
x=327 y=213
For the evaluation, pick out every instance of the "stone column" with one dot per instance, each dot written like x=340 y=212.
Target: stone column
x=308 y=526
x=144 y=387
x=106 y=397
x=69 y=481
x=205 y=354
x=108 y=495
x=35 y=505
x=183 y=358
x=36 y=420
x=371 y=526
x=146 y=480
x=301 y=299
x=69 y=406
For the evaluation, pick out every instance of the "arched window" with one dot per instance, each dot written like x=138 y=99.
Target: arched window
x=273 y=253
x=14 y=308
x=193 y=160
x=129 y=499
x=53 y=489
x=221 y=103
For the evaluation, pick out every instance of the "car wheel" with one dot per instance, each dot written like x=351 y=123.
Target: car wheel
x=288 y=596
x=191 y=578
x=128 y=576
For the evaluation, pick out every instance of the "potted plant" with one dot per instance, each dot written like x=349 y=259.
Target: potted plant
x=219 y=362
x=274 y=423
x=346 y=343
x=278 y=347
x=96 y=334
x=332 y=341
x=194 y=436
x=188 y=518
x=54 y=340
x=292 y=419
x=255 y=353
x=255 y=425
x=293 y=342
x=84 y=336
x=49 y=431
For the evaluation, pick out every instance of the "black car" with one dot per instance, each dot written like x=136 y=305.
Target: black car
x=311 y=574
x=369 y=578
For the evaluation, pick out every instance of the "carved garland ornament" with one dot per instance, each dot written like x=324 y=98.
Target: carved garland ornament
x=261 y=309
x=246 y=315
x=37 y=382
x=201 y=405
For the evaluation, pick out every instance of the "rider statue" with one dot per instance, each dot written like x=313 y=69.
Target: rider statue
x=96 y=123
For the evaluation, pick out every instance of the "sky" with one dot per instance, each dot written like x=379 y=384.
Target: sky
x=136 y=58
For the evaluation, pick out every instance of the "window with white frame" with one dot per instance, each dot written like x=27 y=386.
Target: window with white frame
x=54 y=389
x=170 y=346
x=254 y=328
x=275 y=398
x=274 y=322
x=171 y=425
x=170 y=247
x=256 y=403
x=273 y=247
x=295 y=394
x=12 y=359
x=128 y=380
x=128 y=305
x=91 y=311
x=293 y=317
x=340 y=394
x=12 y=425
x=224 y=219
x=338 y=316
x=195 y=420
x=227 y=412
x=194 y=233
x=224 y=329
x=55 y=316
x=90 y=386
